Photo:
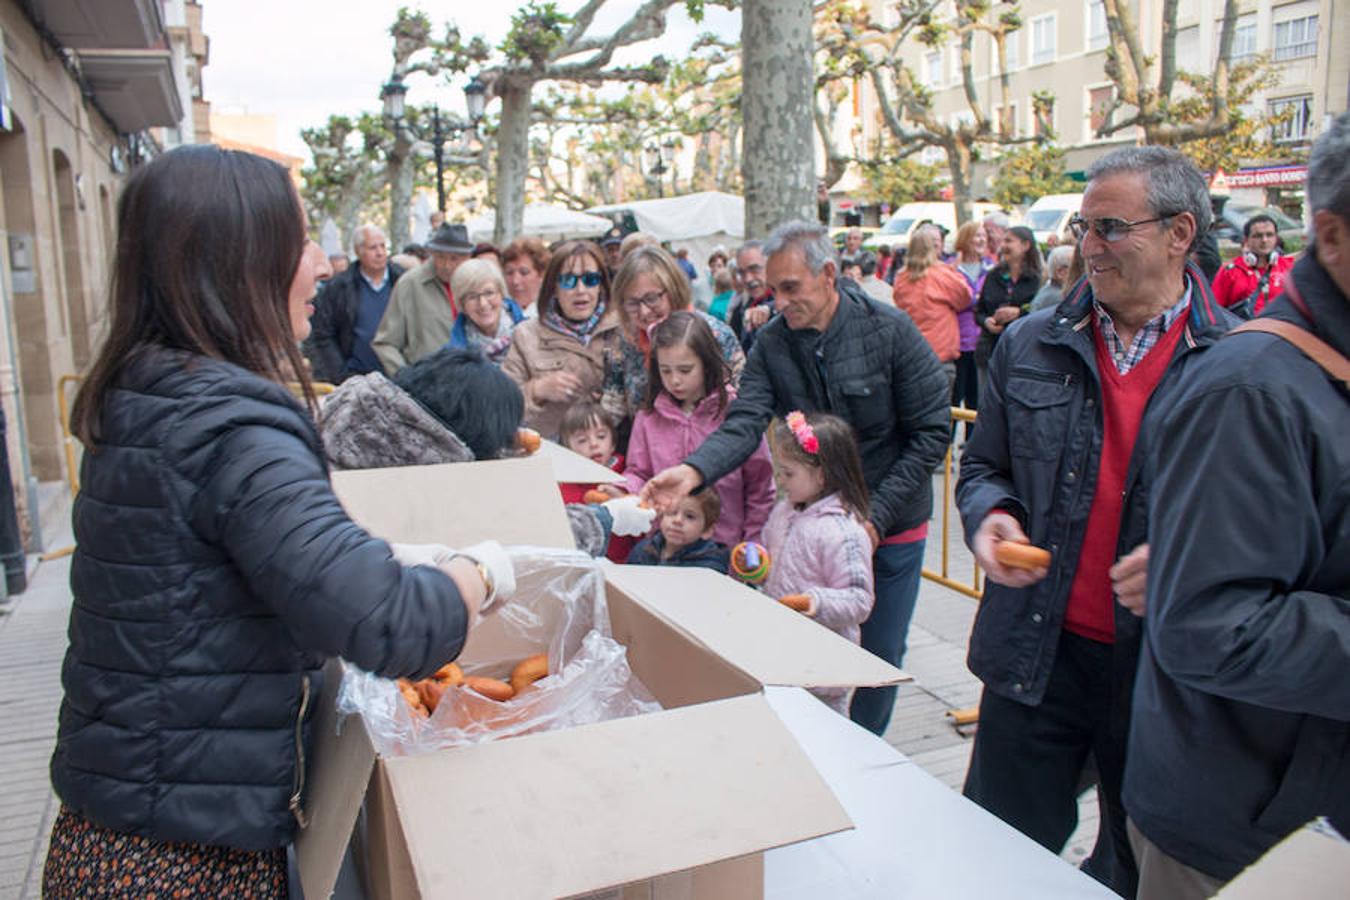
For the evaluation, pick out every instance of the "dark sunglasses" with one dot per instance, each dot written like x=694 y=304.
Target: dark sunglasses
x=1109 y=229
x=568 y=280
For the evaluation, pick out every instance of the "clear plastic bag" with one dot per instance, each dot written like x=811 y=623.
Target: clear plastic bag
x=558 y=608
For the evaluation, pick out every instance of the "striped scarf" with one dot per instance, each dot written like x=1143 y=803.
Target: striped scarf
x=582 y=331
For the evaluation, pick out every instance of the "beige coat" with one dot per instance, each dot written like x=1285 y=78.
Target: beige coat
x=537 y=350
x=417 y=321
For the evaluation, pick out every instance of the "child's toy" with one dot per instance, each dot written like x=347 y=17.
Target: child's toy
x=750 y=562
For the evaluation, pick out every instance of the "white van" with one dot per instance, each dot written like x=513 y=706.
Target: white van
x=896 y=233
x=1050 y=215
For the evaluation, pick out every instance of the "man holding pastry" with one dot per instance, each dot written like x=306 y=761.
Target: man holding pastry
x=1056 y=461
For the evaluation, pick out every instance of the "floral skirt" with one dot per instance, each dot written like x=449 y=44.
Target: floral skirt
x=86 y=860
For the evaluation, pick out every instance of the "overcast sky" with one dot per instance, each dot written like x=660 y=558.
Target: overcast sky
x=304 y=60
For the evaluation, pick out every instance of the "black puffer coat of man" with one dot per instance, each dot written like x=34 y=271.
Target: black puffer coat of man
x=872 y=368
x=214 y=572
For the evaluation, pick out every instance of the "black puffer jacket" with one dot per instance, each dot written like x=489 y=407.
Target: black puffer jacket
x=872 y=368
x=214 y=572
x=1035 y=453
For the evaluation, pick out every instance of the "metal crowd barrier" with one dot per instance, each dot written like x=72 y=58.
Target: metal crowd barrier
x=943 y=577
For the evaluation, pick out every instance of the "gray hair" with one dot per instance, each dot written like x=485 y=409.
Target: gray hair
x=1329 y=171
x=998 y=219
x=359 y=234
x=748 y=247
x=474 y=274
x=1175 y=185
x=812 y=241
x=1060 y=256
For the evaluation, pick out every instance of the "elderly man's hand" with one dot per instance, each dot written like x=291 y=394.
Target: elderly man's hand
x=1129 y=579
x=996 y=528
x=757 y=316
x=670 y=486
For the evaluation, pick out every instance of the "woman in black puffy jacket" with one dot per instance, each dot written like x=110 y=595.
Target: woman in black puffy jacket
x=215 y=569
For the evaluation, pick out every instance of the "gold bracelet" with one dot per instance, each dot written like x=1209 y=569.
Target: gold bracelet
x=489 y=586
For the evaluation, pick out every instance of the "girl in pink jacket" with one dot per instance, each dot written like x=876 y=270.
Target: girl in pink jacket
x=687 y=398
x=821 y=555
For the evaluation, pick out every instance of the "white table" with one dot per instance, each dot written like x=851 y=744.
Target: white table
x=915 y=837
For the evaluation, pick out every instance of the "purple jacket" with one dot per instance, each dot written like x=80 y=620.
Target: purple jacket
x=822 y=551
x=664 y=436
x=965 y=319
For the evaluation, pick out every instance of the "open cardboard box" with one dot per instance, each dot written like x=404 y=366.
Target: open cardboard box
x=676 y=804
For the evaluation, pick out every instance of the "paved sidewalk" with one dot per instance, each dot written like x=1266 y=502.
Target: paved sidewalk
x=33 y=640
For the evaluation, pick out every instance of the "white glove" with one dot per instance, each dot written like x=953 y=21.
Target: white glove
x=493 y=557
x=422 y=554
x=629 y=519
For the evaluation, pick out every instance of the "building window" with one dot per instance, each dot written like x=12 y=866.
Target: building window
x=1097 y=36
x=1039 y=129
x=1100 y=100
x=1043 y=39
x=1188 y=48
x=954 y=63
x=1295 y=114
x=1296 y=38
x=1244 y=39
x=1011 y=42
x=932 y=69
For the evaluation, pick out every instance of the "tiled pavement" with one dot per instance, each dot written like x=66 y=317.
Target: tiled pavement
x=33 y=637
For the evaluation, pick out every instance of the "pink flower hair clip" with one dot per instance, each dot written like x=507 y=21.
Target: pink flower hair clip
x=803 y=432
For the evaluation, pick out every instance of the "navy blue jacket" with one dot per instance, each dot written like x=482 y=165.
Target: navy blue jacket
x=1241 y=722
x=1035 y=452
x=214 y=572
x=704 y=554
x=333 y=325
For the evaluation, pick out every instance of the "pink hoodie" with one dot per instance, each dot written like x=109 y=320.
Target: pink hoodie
x=664 y=436
x=824 y=552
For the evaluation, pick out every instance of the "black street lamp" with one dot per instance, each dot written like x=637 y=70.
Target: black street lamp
x=656 y=166
x=394 y=95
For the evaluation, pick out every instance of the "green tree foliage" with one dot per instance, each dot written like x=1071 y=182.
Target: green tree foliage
x=1028 y=172
x=897 y=181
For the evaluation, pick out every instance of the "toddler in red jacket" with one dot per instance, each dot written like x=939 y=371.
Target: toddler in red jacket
x=587 y=430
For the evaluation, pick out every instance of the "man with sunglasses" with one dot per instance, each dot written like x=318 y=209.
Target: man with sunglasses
x=1056 y=461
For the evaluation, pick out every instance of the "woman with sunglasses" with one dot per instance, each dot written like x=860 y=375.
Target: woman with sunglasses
x=650 y=286
x=1007 y=291
x=562 y=356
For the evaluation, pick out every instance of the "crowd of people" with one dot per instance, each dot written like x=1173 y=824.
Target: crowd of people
x=1183 y=650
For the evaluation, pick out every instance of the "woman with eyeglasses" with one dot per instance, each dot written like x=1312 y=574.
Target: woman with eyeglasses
x=487 y=317
x=650 y=286
x=1007 y=291
x=563 y=355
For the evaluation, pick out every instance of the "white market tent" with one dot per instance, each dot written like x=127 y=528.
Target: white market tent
x=698 y=222
x=544 y=221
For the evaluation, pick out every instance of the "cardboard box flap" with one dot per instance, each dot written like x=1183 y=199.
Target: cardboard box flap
x=1309 y=864
x=767 y=641
x=573 y=468
x=588 y=808
x=339 y=768
x=514 y=501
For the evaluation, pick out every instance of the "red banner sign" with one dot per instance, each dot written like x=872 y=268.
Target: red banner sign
x=1273 y=177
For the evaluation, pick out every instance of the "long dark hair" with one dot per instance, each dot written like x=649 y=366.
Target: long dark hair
x=1031 y=259
x=685 y=329
x=208 y=241
x=837 y=458
x=548 y=288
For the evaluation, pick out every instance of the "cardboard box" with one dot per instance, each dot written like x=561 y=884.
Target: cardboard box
x=1310 y=864
x=570 y=467
x=677 y=804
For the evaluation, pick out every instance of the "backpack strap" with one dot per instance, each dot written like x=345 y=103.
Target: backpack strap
x=1313 y=347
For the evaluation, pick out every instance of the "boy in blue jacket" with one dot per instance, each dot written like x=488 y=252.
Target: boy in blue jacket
x=685 y=537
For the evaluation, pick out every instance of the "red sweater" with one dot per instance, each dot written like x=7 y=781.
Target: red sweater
x=619 y=547
x=1091 y=610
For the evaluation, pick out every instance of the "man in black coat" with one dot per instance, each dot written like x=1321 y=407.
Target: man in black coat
x=833 y=349
x=1241 y=725
x=348 y=311
x=1056 y=461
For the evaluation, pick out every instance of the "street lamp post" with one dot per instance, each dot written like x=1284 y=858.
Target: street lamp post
x=656 y=166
